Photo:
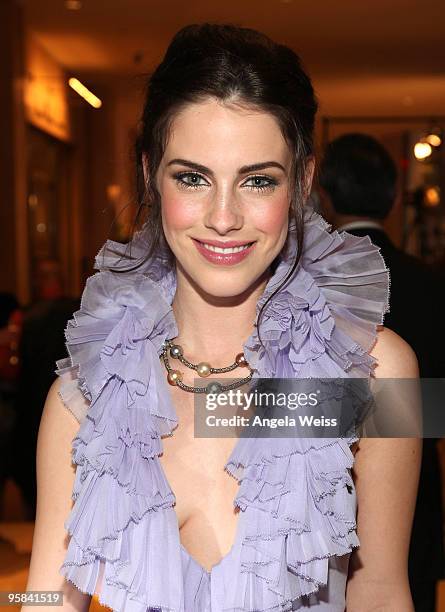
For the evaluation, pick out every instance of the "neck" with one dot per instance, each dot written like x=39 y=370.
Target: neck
x=339 y=219
x=211 y=328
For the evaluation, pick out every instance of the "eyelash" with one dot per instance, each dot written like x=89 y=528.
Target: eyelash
x=272 y=182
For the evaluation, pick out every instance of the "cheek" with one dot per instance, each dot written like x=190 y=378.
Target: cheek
x=273 y=215
x=177 y=212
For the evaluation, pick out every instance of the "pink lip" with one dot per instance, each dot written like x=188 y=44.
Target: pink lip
x=220 y=258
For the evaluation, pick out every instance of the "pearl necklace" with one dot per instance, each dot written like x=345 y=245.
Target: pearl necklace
x=204 y=369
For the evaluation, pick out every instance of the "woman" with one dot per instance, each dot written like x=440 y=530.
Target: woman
x=225 y=164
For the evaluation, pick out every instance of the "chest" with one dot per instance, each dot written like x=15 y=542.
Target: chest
x=194 y=466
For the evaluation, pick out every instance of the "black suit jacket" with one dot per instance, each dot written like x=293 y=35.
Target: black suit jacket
x=415 y=304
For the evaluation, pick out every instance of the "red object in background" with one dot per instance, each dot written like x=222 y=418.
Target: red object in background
x=404 y=163
x=9 y=346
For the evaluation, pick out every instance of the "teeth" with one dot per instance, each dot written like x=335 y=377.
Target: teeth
x=226 y=251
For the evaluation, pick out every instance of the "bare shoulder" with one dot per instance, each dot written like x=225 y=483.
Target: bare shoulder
x=395 y=357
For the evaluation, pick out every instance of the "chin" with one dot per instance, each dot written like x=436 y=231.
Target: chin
x=224 y=283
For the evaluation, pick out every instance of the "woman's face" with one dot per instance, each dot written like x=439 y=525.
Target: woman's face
x=224 y=178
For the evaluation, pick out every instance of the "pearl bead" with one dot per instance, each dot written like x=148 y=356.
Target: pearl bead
x=203 y=368
x=173 y=376
x=213 y=387
x=176 y=351
x=241 y=360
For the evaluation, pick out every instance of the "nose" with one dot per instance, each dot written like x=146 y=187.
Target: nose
x=224 y=212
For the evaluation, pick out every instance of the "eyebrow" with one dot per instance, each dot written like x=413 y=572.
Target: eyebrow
x=242 y=170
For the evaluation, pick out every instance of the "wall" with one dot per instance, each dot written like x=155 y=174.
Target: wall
x=13 y=243
x=46 y=91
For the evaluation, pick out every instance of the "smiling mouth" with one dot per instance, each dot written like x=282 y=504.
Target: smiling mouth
x=225 y=250
x=234 y=253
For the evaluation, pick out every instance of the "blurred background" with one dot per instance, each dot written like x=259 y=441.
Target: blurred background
x=72 y=75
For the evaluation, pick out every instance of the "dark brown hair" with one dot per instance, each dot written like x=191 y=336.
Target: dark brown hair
x=359 y=175
x=234 y=65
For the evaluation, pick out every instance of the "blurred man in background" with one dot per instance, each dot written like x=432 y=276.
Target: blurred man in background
x=42 y=343
x=358 y=185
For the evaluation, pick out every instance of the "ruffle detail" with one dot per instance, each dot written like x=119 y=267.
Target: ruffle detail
x=301 y=502
x=296 y=496
x=123 y=502
x=324 y=322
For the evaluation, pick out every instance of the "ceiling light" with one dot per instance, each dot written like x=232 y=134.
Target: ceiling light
x=422 y=150
x=432 y=196
x=85 y=93
x=434 y=140
x=73 y=5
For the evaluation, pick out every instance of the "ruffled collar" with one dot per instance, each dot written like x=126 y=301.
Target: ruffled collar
x=296 y=495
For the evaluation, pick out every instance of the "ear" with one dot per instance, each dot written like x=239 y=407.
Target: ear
x=309 y=176
x=145 y=167
x=326 y=208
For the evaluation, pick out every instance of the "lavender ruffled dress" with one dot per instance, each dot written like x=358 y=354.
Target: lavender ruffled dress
x=297 y=520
